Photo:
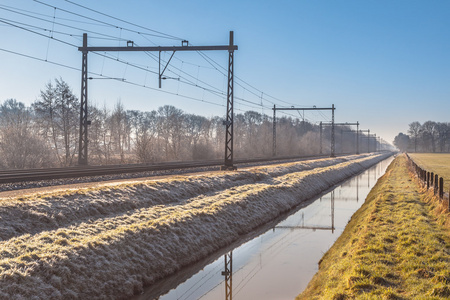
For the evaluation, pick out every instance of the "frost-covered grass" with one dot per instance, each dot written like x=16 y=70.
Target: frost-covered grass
x=396 y=246
x=110 y=241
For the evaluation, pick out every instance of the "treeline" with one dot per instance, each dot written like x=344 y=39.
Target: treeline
x=46 y=133
x=427 y=137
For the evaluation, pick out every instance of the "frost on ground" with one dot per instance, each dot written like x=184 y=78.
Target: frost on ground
x=110 y=241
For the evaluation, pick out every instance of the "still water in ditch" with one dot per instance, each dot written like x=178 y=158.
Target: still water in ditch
x=279 y=263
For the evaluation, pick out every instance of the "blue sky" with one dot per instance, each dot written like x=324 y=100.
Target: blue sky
x=382 y=63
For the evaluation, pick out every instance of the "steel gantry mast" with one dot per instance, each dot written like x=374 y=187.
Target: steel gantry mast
x=229 y=121
x=368 y=138
x=332 y=134
x=332 y=108
x=83 y=139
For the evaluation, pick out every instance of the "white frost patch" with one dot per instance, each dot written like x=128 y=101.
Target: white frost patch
x=110 y=241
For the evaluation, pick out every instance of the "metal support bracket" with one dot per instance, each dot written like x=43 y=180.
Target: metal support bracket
x=161 y=73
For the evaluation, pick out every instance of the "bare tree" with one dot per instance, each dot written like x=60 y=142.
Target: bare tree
x=20 y=146
x=57 y=111
x=414 y=131
x=146 y=131
x=442 y=135
x=170 y=130
x=119 y=129
x=429 y=132
x=100 y=141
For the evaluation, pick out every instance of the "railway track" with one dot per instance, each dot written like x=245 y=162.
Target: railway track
x=27 y=175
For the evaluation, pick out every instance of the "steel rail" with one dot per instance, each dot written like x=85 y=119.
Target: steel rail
x=14 y=176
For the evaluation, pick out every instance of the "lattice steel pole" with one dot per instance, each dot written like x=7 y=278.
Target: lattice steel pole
x=357 y=137
x=332 y=132
x=320 y=135
x=375 y=142
x=274 y=132
x=83 y=139
x=229 y=122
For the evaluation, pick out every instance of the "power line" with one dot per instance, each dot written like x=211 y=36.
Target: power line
x=46 y=15
x=139 y=26
x=29 y=30
x=216 y=92
x=60 y=24
x=108 y=77
x=105 y=23
x=151 y=55
x=124 y=62
x=211 y=61
x=125 y=81
x=209 y=88
x=40 y=59
x=40 y=28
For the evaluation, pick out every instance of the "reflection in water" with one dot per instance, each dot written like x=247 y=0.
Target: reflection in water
x=357 y=188
x=313 y=227
x=228 y=273
x=279 y=263
x=228 y=257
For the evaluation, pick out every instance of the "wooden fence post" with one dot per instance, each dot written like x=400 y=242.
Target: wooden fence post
x=436 y=183
x=428 y=180
x=432 y=179
x=441 y=188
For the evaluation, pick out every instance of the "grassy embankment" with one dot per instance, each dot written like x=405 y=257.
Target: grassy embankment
x=437 y=163
x=396 y=246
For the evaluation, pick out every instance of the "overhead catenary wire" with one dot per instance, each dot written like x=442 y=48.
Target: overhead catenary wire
x=134 y=65
x=202 y=281
x=132 y=83
x=120 y=79
x=124 y=21
x=213 y=63
x=153 y=56
x=40 y=59
x=106 y=23
x=212 y=89
x=38 y=27
x=61 y=24
x=205 y=86
x=46 y=15
x=106 y=77
x=37 y=33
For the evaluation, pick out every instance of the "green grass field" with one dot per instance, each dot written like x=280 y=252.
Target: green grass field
x=396 y=246
x=435 y=162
